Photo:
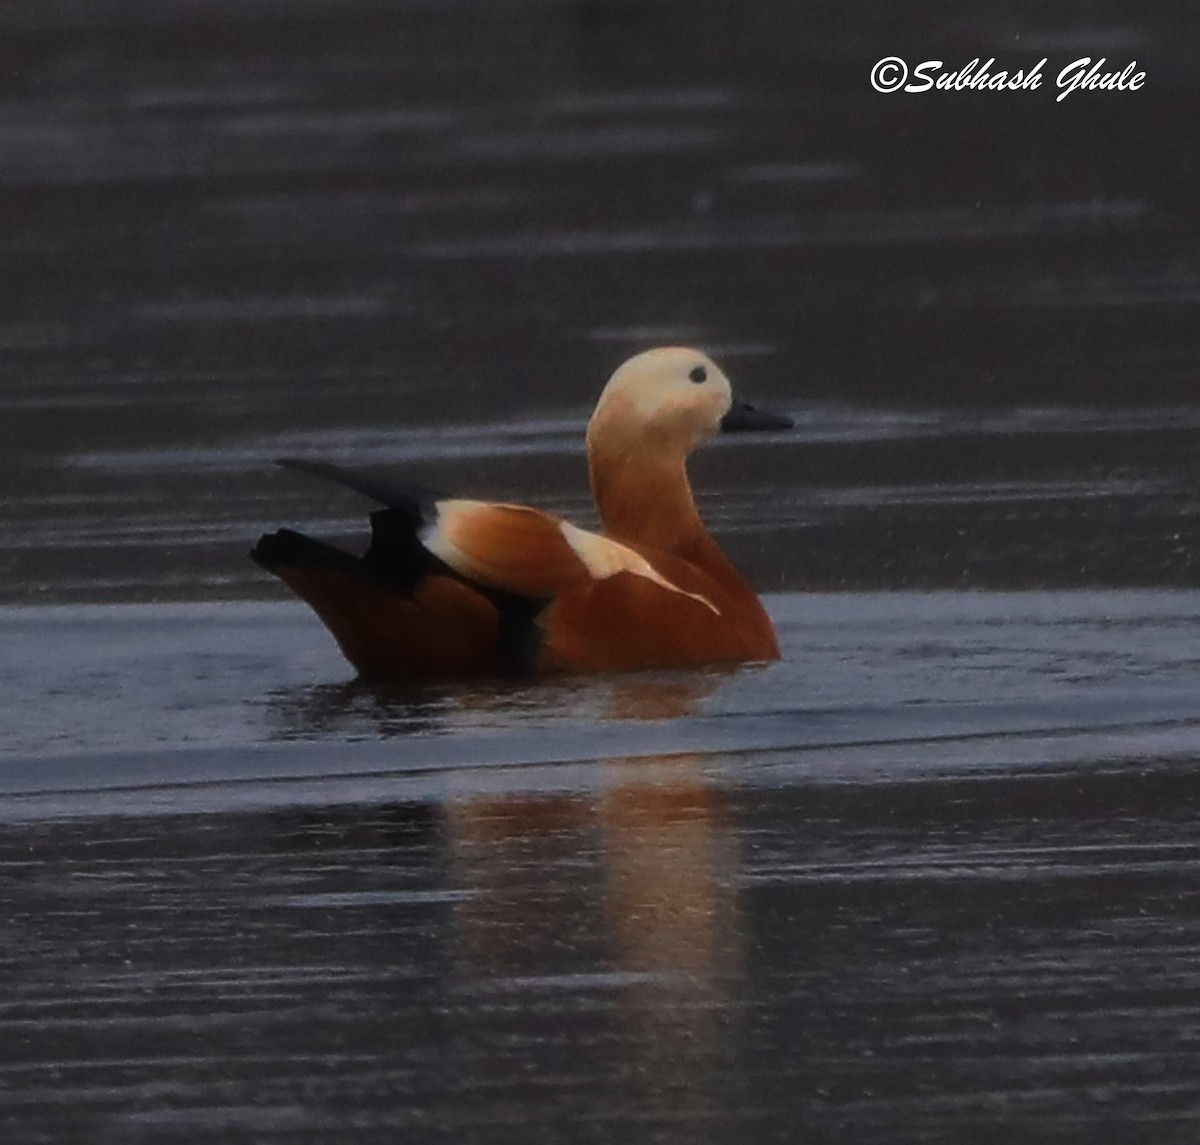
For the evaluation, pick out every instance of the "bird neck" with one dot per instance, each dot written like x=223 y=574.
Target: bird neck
x=646 y=499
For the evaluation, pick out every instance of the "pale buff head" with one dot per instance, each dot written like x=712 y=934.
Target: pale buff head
x=667 y=399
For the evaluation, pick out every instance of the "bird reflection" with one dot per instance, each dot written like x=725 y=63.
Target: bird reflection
x=618 y=897
x=354 y=707
x=628 y=891
x=385 y=710
x=664 y=697
x=669 y=869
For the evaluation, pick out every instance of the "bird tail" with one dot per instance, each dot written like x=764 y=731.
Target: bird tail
x=288 y=549
x=434 y=628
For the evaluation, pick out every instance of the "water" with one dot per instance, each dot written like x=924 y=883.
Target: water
x=931 y=876
x=933 y=869
x=422 y=237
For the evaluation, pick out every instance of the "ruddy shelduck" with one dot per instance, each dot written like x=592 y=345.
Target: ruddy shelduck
x=453 y=588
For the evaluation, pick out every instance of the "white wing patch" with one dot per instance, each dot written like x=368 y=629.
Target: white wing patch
x=604 y=558
x=433 y=536
x=600 y=556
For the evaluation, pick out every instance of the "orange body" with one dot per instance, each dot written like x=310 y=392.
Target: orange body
x=477 y=588
x=628 y=622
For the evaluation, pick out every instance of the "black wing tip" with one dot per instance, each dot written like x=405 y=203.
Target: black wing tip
x=324 y=469
x=408 y=497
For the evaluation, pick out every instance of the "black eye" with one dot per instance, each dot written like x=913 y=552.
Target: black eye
x=698 y=375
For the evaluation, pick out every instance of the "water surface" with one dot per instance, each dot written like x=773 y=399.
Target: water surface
x=422 y=236
x=931 y=877
x=933 y=873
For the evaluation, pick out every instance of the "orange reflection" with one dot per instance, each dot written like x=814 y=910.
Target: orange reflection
x=629 y=890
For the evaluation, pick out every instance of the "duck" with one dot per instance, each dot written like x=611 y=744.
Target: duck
x=451 y=588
